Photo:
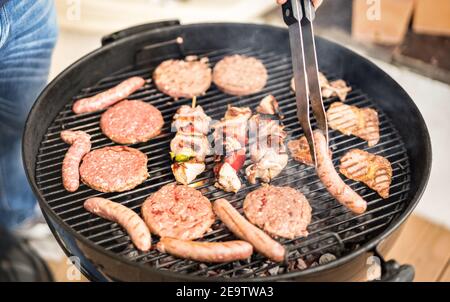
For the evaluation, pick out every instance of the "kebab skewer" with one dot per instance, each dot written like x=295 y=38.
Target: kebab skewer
x=190 y=145
x=267 y=147
x=230 y=137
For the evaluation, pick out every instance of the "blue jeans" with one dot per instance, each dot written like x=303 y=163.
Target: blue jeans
x=28 y=32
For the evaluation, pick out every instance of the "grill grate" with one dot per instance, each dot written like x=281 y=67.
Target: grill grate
x=333 y=228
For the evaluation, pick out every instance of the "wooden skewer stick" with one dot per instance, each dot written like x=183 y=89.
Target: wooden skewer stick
x=194 y=102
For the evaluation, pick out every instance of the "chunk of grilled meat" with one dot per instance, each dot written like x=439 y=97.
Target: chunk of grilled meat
x=268 y=105
x=373 y=170
x=230 y=137
x=299 y=149
x=351 y=120
x=337 y=88
x=267 y=149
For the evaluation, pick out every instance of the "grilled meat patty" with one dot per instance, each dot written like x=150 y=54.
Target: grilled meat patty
x=351 y=120
x=178 y=211
x=183 y=79
x=373 y=170
x=114 y=169
x=280 y=211
x=131 y=122
x=240 y=75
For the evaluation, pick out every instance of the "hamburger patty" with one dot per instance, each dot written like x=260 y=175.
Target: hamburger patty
x=280 y=211
x=114 y=169
x=131 y=122
x=240 y=75
x=183 y=79
x=179 y=212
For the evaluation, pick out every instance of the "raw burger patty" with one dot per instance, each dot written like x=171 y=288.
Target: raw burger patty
x=179 y=212
x=114 y=169
x=131 y=122
x=240 y=75
x=280 y=211
x=182 y=79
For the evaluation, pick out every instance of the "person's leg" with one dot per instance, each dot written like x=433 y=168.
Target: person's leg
x=28 y=32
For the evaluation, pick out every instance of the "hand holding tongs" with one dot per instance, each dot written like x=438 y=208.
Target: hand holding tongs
x=299 y=16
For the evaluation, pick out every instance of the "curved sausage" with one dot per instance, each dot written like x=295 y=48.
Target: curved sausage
x=109 y=97
x=214 y=252
x=127 y=218
x=330 y=178
x=81 y=145
x=243 y=229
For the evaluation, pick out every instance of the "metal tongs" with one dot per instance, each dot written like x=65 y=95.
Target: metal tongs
x=299 y=16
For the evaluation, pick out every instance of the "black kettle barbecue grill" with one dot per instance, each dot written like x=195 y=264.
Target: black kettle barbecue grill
x=105 y=252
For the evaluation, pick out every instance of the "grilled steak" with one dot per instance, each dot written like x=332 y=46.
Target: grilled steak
x=373 y=170
x=178 y=211
x=131 y=122
x=240 y=75
x=182 y=79
x=351 y=120
x=299 y=149
x=114 y=169
x=280 y=211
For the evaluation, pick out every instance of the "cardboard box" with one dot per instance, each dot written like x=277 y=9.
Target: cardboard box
x=381 y=21
x=432 y=17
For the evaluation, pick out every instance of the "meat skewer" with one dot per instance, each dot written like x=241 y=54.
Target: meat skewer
x=267 y=148
x=213 y=252
x=80 y=143
x=248 y=232
x=190 y=145
x=109 y=97
x=330 y=178
x=230 y=136
x=127 y=218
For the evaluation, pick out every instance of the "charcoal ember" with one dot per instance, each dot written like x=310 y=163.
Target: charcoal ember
x=274 y=271
x=247 y=272
x=326 y=258
x=300 y=264
x=132 y=254
x=314 y=264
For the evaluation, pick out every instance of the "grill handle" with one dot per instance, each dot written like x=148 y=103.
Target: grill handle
x=394 y=272
x=137 y=29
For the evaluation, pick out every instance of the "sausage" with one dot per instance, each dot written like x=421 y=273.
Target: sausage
x=243 y=229
x=80 y=143
x=330 y=178
x=109 y=97
x=127 y=218
x=215 y=252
